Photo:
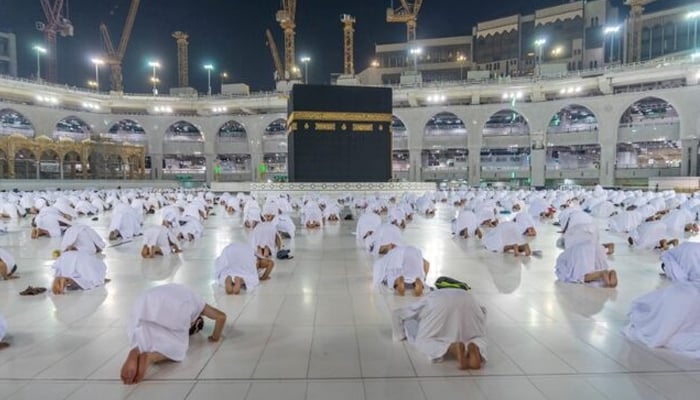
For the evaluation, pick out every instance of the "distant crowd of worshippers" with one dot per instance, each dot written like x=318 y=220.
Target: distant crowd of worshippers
x=447 y=321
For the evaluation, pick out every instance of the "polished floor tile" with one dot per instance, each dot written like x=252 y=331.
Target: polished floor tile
x=319 y=329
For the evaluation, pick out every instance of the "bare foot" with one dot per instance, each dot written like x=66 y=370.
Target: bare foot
x=612 y=278
x=130 y=367
x=418 y=288
x=142 y=367
x=228 y=285
x=610 y=247
x=238 y=283
x=673 y=242
x=400 y=286
x=526 y=250
x=462 y=359
x=473 y=356
x=58 y=286
x=4 y=345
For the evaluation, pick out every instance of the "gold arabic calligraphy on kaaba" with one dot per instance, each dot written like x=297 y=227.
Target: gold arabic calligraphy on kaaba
x=329 y=121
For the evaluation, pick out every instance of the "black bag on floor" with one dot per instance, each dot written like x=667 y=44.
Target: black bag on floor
x=445 y=282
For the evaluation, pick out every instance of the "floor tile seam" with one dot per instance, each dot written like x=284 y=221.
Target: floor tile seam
x=607 y=396
x=353 y=378
x=634 y=345
x=74 y=350
x=24 y=384
x=257 y=363
x=588 y=345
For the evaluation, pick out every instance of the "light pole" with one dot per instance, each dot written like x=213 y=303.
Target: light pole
x=539 y=44
x=223 y=76
x=97 y=63
x=415 y=51
x=39 y=51
x=694 y=15
x=461 y=58
x=209 y=68
x=154 y=78
x=612 y=31
x=306 y=60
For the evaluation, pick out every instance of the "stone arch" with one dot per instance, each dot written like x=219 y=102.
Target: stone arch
x=649 y=154
x=230 y=131
x=506 y=122
x=49 y=164
x=12 y=122
x=649 y=107
x=445 y=123
x=276 y=127
x=72 y=127
x=4 y=165
x=398 y=127
x=72 y=165
x=183 y=131
x=573 y=118
x=128 y=130
x=576 y=157
x=25 y=164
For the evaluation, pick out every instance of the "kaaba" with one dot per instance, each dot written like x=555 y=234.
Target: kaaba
x=339 y=134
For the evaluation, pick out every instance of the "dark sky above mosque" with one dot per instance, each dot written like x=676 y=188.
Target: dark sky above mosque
x=230 y=34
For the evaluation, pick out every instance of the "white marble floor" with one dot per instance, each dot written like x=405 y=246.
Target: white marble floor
x=318 y=330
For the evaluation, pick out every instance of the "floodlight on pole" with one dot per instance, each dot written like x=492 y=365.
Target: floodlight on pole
x=306 y=60
x=209 y=68
x=462 y=59
x=39 y=51
x=415 y=51
x=694 y=15
x=155 y=65
x=97 y=62
x=223 y=76
x=612 y=31
x=539 y=44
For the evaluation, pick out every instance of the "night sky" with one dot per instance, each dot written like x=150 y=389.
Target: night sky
x=231 y=35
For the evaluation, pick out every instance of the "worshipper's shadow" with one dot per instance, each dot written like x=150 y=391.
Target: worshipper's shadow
x=506 y=271
x=161 y=267
x=585 y=300
x=75 y=306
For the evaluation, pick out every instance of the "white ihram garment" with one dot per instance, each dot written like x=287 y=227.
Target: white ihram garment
x=504 y=234
x=125 y=220
x=578 y=260
x=161 y=318
x=406 y=261
x=466 y=220
x=83 y=238
x=237 y=260
x=682 y=264
x=442 y=317
x=264 y=235
x=85 y=269
x=159 y=235
x=648 y=234
x=669 y=318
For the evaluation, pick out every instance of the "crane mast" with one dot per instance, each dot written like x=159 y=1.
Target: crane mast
x=114 y=57
x=279 y=68
x=183 y=63
x=55 y=24
x=286 y=18
x=635 y=28
x=406 y=13
x=348 y=43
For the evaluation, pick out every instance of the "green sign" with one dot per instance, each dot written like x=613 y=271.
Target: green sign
x=262 y=168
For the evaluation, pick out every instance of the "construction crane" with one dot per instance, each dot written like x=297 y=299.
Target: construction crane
x=286 y=18
x=114 y=57
x=406 y=14
x=55 y=23
x=635 y=30
x=348 y=43
x=183 y=62
x=279 y=68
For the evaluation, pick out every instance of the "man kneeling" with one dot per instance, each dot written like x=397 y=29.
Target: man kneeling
x=237 y=268
x=446 y=321
x=75 y=270
x=157 y=241
x=161 y=322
